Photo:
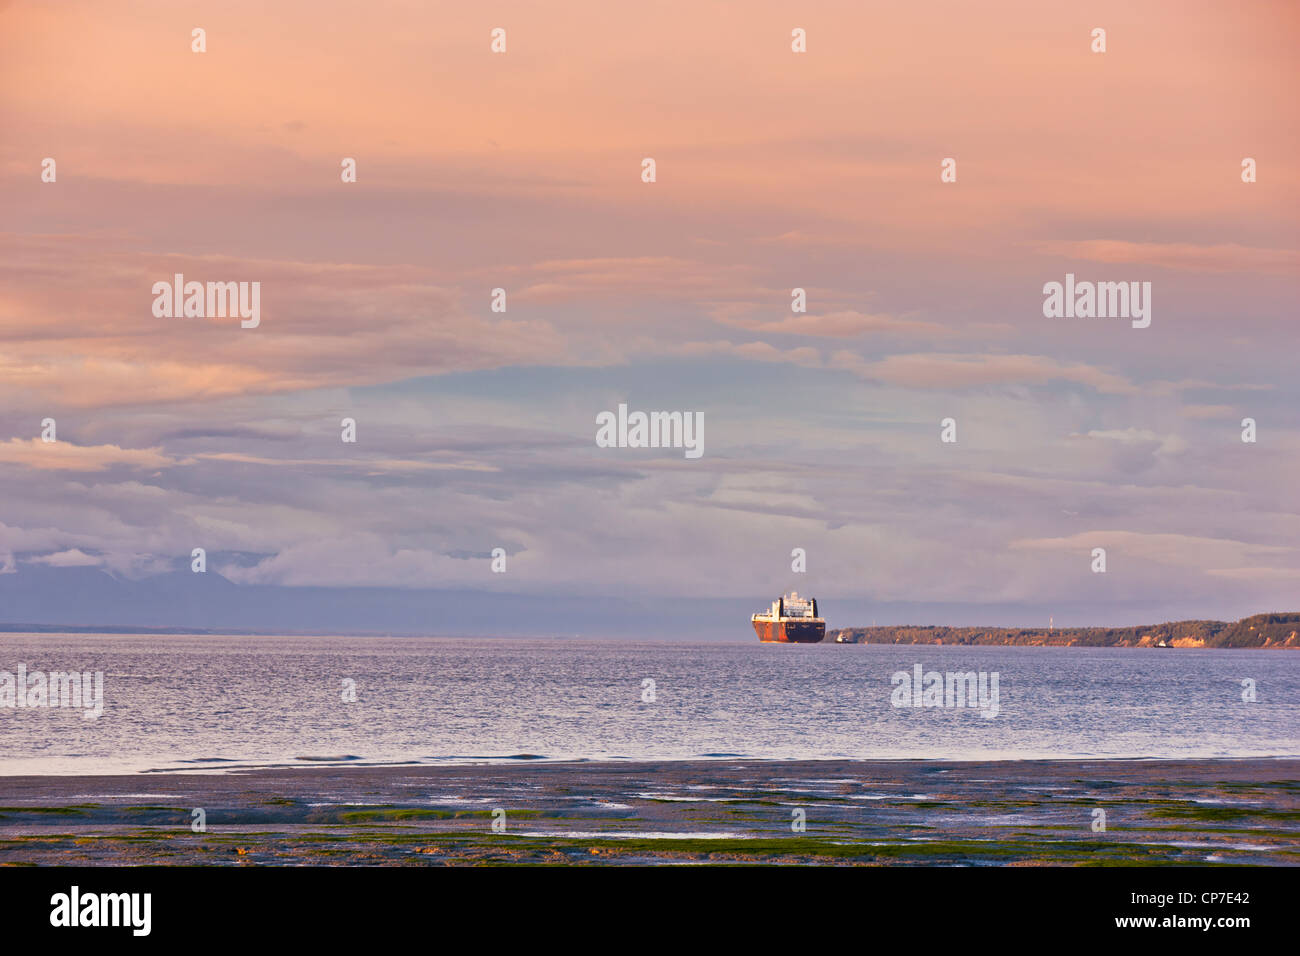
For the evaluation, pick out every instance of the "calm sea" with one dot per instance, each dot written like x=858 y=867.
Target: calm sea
x=209 y=703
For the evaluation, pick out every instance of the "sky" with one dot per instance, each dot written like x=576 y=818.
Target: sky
x=774 y=170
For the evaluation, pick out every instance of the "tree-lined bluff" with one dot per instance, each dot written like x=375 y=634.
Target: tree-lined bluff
x=1259 y=630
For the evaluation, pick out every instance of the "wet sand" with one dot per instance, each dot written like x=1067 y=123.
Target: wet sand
x=1188 y=812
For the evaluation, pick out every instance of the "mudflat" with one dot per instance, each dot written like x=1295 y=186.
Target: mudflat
x=837 y=812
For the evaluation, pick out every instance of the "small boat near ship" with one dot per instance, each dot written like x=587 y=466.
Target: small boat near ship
x=790 y=620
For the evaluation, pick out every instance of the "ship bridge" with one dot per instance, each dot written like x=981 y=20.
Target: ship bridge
x=791 y=606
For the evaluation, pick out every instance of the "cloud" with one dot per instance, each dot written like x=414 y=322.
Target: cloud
x=68 y=559
x=1208 y=411
x=369 y=465
x=845 y=324
x=801 y=237
x=1257 y=574
x=1163 y=444
x=954 y=371
x=65 y=456
x=322 y=324
x=635 y=278
x=1178 y=550
x=758 y=351
x=1178 y=256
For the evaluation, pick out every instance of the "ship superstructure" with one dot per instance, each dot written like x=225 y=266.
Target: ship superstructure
x=790 y=620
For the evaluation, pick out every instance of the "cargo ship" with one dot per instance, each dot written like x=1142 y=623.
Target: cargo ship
x=790 y=620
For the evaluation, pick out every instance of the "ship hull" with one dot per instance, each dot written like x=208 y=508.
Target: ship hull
x=790 y=632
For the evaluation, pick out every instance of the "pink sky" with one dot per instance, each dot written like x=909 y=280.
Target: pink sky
x=775 y=170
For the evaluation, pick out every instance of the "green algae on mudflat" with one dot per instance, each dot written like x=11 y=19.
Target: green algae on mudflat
x=928 y=851
x=1269 y=833
x=416 y=813
x=977 y=821
x=1226 y=813
x=75 y=809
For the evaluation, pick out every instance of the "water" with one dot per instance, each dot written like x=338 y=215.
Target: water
x=214 y=703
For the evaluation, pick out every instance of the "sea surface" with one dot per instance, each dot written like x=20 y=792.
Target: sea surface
x=177 y=703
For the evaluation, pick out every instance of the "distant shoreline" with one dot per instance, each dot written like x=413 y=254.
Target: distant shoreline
x=1260 y=631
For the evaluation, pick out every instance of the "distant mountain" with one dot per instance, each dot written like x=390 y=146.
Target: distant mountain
x=40 y=598
x=1261 y=630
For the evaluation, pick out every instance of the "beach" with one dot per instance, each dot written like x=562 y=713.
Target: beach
x=930 y=812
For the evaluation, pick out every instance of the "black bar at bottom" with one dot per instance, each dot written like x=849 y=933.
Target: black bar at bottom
x=335 y=905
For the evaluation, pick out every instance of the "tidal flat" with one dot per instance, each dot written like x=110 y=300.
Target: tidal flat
x=824 y=812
